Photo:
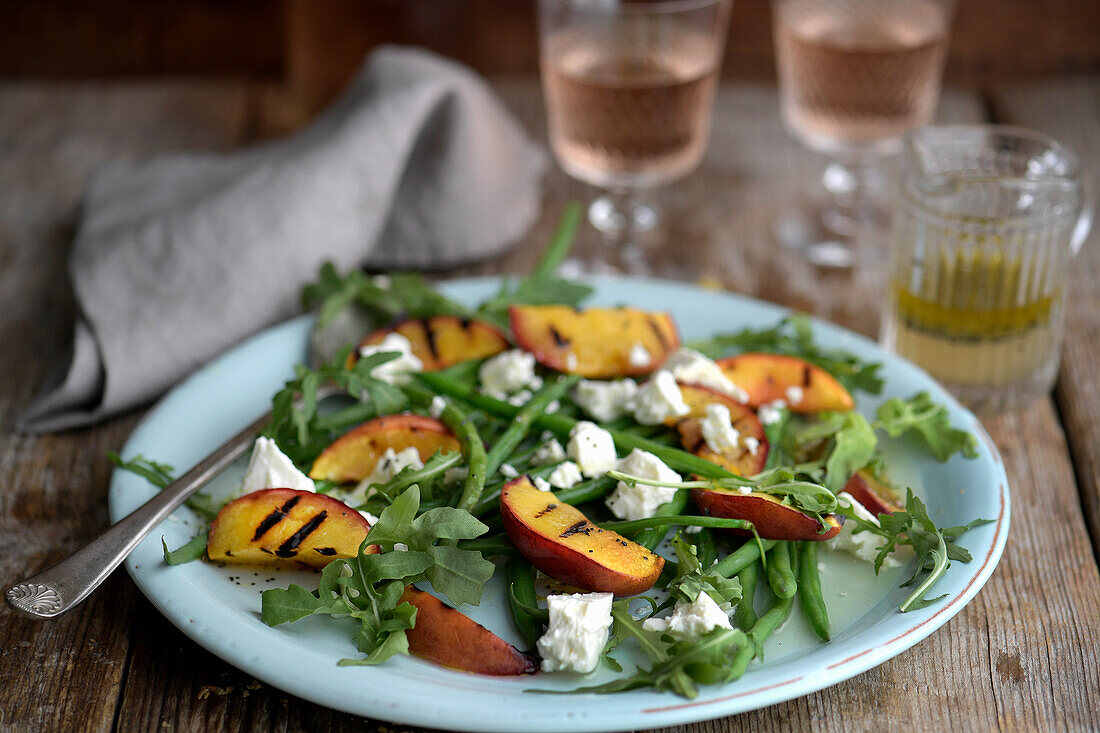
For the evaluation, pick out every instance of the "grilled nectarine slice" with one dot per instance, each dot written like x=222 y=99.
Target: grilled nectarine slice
x=770 y=377
x=560 y=541
x=743 y=460
x=597 y=342
x=284 y=527
x=449 y=637
x=872 y=492
x=442 y=341
x=353 y=456
x=772 y=519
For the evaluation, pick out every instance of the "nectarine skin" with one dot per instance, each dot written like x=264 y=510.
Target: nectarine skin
x=595 y=343
x=442 y=341
x=286 y=527
x=743 y=461
x=772 y=519
x=353 y=456
x=560 y=541
x=449 y=637
x=872 y=493
x=768 y=377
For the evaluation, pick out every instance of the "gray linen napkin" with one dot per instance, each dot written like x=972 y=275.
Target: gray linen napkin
x=417 y=165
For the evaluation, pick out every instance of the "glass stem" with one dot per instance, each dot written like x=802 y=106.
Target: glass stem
x=854 y=187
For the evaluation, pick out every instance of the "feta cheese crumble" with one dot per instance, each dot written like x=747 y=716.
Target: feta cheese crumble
x=770 y=413
x=718 y=430
x=507 y=470
x=395 y=371
x=577 y=633
x=592 y=448
x=690 y=621
x=865 y=544
x=541 y=484
x=659 y=399
x=269 y=468
x=549 y=453
x=389 y=465
x=565 y=476
x=369 y=517
x=639 y=357
x=691 y=367
x=570 y=362
x=508 y=372
x=793 y=394
x=641 y=501
x=605 y=401
x=437 y=407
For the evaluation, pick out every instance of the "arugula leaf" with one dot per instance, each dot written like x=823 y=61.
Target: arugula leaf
x=160 y=475
x=794 y=336
x=853 y=448
x=297 y=425
x=400 y=294
x=691 y=579
x=930 y=421
x=676 y=666
x=456 y=573
x=933 y=547
x=368 y=587
x=193 y=550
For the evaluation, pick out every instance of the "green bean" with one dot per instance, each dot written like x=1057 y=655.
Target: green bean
x=744 y=614
x=590 y=490
x=781 y=575
x=463 y=428
x=497 y=544
x=679 y=460
x=706 y=549
x=809 y=590
x=651 y=537
x=683 y=520
x=521 y=584
x=521 y=424
x=747 y=553
x=560 y=243
x=769 y=622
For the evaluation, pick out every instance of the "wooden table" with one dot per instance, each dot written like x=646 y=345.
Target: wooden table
x=1022 y=656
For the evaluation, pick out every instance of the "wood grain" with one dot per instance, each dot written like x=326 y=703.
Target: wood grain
x=1070 y=111
x=1020 y=657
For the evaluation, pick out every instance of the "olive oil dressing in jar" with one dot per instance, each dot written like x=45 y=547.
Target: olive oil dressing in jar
x=987 y=223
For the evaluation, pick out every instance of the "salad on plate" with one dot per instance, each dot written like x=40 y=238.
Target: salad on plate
x=636 y=493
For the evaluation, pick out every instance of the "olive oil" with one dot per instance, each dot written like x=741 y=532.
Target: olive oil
x=977 y=317
x=987 y=222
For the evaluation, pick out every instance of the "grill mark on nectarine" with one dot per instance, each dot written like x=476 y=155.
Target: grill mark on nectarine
x=658 y=332
x=807 y=376
x=543 y=512
x=429 y=338
x=581 y=527
x=560 y=340
x=274 y=518
x=290 y=547
x=326 y=551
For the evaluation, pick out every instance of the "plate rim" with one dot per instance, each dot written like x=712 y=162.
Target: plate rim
x=677 y=710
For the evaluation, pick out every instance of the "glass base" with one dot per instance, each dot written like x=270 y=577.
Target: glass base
x=804 y=230
x=621 y=214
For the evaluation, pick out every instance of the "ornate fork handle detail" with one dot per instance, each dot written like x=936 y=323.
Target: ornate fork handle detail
x=65 y=584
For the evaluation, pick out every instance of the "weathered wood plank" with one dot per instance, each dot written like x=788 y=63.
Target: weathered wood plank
x=66 y=674
x=1070 y=111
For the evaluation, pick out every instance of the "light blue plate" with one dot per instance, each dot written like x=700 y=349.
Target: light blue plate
x=219 y=607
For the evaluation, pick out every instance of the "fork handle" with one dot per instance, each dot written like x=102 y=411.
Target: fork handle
x=65 y=584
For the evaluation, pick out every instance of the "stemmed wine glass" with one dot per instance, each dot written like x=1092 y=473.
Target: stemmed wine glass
x=629 y=89
x=854 y=76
